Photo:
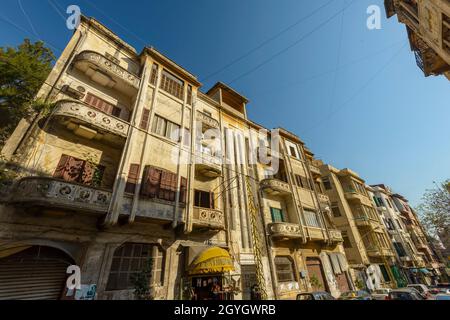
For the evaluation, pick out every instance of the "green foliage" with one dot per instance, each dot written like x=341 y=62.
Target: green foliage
x=434 y=212
x=359 y=283
x=315 y=282
x=23 y=70
x=141 y=282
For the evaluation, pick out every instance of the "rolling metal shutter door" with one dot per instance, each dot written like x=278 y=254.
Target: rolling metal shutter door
x=25 y=278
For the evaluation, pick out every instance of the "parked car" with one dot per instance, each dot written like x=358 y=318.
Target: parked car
x=423 y=289
x=442 y=297
x=355 y=295
x=405 y=294
x=381 y=294
x=319 y=295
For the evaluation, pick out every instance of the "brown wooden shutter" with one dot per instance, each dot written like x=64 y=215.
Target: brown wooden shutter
x=211 y=200
x=151 y=182
x=144 y=120
x=133 y=175
x=183 y=189
x=62 y=165
x=88 y=173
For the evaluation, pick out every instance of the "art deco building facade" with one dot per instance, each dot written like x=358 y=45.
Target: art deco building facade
x=135 y=164
x=428 y=26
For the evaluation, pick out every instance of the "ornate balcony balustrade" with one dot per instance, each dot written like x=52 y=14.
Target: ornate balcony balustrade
x=208 y=218
x=49 y=192
x=335 y=235
x=207 y=120
x=81 y=113
x=274 y=186
x=283 y=230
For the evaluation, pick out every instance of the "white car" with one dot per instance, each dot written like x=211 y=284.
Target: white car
x=423 y=289
x=381 y=294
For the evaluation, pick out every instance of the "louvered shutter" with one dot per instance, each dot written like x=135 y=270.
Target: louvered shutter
x=132 y=180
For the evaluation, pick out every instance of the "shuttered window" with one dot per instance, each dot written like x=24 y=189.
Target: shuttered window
x=166 y=128
x=303 y=182
x=75 y=170
x=144 y=120
x=284 y=269
x=102 y=105
x=312 y=219
x=154 y=74
x=132 y=259
x=162 y=184
x=277 y=215
x=172 y=84
x=133 y=177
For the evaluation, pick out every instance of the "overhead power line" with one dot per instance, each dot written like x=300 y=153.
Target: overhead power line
x=262 y=44
x=320 y=26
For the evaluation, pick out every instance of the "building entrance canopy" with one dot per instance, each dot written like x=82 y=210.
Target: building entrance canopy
x=213 y=260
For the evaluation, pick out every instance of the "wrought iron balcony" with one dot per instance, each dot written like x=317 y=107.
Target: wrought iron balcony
x=53 y=193
x=275 y=187
x=212 y=219
x=283 y=230
x=74 y=113
x=105 y=71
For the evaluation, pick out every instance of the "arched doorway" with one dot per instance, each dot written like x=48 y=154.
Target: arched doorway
x=34 y=273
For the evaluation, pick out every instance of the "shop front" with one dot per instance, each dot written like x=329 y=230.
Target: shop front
x=208 y=276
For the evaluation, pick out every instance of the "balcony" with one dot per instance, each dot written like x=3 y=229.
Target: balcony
x=106 y=72
x=314 y=170
x=90 y=123
x=275 y=187
x=365 y=221
x=353 y=196
x=323 y=198
x=335 y=235
x=285 y=231
x=208 y=165
x=316 y=234
x=209 y=219
x=53 y=193
x=381 y=252
x=207 y=120
x=382 y=209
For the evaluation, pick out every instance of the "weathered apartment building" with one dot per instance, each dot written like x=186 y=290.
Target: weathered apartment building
x=366 y=242
x=428 y=26
x=135 y=164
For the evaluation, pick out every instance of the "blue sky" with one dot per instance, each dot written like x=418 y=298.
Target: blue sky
x=355 y=96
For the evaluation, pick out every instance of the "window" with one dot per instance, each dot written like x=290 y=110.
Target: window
x=335 y=209
x=293 y=151
x=132 y=180
x=172 y=84
x=162 y=184
x=400 y=249
x=389 y=203
x=326 y=183
x=144 y=120
x=102 y=105
x=154 y=74
x=203 y=199
x=390 y=224
x=166 y=128
x=384 y=272
x=131 y=259
x=312 y=219
x=75 y=170
x=189 y=95
x=347 y=243
x=303 y=182
x=277 y=215
x=285 y=269
x=378 y=201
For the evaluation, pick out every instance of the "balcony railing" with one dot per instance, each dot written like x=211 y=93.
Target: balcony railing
x=205 y=218
x=323 y=198
x=314 y=169
x=207 y=120
x=49 y=192
x=335 y=235
x=106 y=65
x=283 y=230
x=92 y=117
x=275 y=187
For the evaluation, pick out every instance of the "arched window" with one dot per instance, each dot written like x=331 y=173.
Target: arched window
x=131 y=259
x=285 y=269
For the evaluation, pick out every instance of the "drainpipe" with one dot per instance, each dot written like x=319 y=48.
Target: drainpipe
x=191 y=169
